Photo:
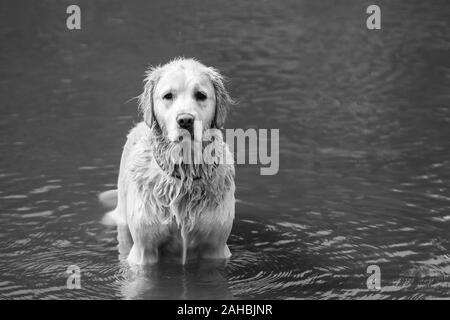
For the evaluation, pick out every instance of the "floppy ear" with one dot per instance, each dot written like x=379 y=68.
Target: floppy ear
x=223 y=99
x=152 y=76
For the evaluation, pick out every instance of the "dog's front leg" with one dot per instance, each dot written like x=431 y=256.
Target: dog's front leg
x=125 y=241
x=221 y=251
x=216 y=242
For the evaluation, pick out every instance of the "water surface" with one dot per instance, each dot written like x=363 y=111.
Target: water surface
x=364 y=119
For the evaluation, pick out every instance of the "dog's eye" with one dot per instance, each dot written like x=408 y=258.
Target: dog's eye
x=200 y=96
x=168 y=96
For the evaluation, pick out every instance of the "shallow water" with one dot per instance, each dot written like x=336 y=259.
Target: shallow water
x=364 y=119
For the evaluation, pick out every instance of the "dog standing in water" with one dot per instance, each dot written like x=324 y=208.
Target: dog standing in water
x=168 y=207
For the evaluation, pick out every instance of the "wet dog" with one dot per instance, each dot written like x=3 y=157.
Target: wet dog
x=170 y=207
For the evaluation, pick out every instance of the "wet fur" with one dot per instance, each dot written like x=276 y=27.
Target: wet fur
x=164 y=213
x=182 y=217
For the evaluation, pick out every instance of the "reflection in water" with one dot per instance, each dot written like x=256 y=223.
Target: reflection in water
x=202 y=280
x=364 y=119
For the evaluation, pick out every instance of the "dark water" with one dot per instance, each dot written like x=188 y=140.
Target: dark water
x=364 y=119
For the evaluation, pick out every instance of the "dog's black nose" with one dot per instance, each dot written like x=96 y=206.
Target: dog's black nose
x=185 y=121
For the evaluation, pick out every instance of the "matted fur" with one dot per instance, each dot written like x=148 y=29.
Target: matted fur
x=200 y=189
x=166 y=203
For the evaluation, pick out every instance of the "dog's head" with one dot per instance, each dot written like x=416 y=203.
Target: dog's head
x=184 y=96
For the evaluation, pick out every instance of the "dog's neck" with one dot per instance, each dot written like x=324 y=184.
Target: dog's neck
x=163 y=152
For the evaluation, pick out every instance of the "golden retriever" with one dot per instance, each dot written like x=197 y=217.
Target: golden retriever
x=170 y=207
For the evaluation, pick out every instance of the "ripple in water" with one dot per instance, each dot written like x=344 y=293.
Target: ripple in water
x=364 y=170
